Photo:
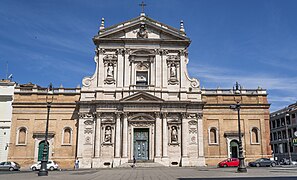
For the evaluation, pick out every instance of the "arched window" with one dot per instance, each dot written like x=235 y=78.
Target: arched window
x=22 y=136
x=67 y=132
x=255 y=136
x=213 y=135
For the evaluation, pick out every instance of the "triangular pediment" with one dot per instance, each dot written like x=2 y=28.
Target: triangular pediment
x=141 y=97
x=130 y=30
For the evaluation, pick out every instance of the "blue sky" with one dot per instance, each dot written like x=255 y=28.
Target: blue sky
x=250 y=41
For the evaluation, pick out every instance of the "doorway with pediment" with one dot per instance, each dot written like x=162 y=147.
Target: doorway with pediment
x=141 y=144
x=141 y=138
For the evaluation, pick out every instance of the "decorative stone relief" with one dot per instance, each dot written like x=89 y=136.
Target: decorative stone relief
x=192 y=115
x=141 y=124
x=142 y=66
x=83 y=115
x=193 y=131
x=88 y=140
x=88 y=131
x=87 y=81
x=142 y=32
x=88 y=122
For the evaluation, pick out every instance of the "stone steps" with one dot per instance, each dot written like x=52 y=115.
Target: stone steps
x=142 y=165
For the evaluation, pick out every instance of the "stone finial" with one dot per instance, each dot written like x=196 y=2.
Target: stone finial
x=182 y=28
x=61 y=86
x=78 y=86
x=101 y=26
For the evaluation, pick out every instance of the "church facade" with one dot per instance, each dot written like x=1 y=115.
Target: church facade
x=140 y=104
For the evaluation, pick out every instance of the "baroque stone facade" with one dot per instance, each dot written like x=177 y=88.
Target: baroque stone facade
x=140 y=102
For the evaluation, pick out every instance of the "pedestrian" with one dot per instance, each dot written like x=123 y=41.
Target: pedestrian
x=76 y=163
x=134 y=162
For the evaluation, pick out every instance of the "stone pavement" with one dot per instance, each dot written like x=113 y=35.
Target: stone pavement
x=160 y=173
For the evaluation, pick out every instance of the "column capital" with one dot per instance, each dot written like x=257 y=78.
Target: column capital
x=118 y=114
x=183 y=115
x=126 y=114
x=164 y=114
x=157 y=114
x=199 y=115
x=120 y=51
x=101 y=50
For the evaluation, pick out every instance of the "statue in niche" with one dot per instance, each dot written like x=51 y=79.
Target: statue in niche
x=142 y=33
x=172 y=71
x=110 y=70
x=107 y=137
x=173 y=134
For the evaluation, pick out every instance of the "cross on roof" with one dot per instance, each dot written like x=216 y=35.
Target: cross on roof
x=142 y=6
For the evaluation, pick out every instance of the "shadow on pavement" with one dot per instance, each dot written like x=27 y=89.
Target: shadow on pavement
x=245 y=178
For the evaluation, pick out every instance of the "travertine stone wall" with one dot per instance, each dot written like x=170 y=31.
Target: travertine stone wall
x=30 y=112
x=254 y=112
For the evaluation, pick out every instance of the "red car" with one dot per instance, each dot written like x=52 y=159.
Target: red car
x=230 y=162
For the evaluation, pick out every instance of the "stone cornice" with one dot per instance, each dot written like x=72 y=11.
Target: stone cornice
x=149 y=41
x=242 y=106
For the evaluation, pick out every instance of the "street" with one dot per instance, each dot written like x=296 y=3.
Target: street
x=164 y=173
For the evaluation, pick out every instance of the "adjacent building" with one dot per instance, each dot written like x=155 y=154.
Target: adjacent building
x=29 y=121
x=6 y=99
x=221 y=124
x=283 y=125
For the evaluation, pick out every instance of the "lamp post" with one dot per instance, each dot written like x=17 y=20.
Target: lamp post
x=288 y=139
x=49 y=99
x=241 y=168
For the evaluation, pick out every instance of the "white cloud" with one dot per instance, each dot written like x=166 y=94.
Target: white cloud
x=223 y=77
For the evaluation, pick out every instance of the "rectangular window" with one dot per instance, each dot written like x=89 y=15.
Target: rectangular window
x=142 y=78
x=290 y=133
x=274 y=136
x=293 y=115
x=275 y=148
x=278 y=123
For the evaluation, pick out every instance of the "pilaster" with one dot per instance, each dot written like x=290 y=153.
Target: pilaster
x=120 y=74
x=165 y=136
x=118 y=136
x=158 y=136
x=100 y=68
x=158 y=70
x=98 y=136
x=125 y=136
x=164 y=69
x=185 y=131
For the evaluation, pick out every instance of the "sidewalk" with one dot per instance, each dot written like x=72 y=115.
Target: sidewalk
x=163 y=173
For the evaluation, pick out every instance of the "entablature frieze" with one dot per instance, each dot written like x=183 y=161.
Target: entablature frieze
x=86 y=115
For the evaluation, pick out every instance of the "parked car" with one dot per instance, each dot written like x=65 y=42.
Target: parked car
x=51 y=165
x=230 y=162
x=263 y=162
x=9 y=165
